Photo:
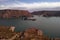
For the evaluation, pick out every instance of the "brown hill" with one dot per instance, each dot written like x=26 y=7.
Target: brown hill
x=51 y=13
x=14 y=13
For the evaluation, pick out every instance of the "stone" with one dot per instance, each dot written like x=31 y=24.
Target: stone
x=12 y=28
x=39 y=32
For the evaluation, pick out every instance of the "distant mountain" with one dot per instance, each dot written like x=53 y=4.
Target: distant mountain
x=47 y=13
x=37 y=12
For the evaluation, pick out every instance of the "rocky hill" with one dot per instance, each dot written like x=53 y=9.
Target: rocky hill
x=14 y=13
x=9 y=33
x=27 y=34
x=51 y=13
x=47 y=13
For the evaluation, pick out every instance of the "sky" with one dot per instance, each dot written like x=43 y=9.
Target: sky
x=29 y=4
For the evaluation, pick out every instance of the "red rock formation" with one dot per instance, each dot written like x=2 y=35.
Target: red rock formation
x=28 y=34
x=14 y=13
x=33 y=34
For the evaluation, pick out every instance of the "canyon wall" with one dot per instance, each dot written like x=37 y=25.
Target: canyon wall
x=14 y=13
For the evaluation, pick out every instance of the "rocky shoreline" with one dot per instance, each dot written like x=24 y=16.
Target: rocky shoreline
x=8 y=33
x=8 y=13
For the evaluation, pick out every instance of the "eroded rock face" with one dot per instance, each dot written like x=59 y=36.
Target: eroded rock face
x=14 y=13
x=7 y=28
x=28 y=34
x=32 y=34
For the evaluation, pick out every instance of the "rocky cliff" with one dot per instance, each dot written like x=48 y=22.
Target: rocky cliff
x=14 y=13
x=33 y=34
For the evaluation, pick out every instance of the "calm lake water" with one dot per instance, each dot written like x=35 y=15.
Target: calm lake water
x=49 y=25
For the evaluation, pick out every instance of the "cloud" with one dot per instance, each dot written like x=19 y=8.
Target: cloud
x=3 y=0
x=35 y=5
x=41 y=5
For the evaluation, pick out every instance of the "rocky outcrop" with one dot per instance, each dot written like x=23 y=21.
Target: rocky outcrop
x=28 y=34
x=14 y=13
x=33 y=34
x=6 y=32
x=12 y=28
x=7 y=28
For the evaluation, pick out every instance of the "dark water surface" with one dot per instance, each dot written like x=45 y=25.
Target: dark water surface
x=50 y=26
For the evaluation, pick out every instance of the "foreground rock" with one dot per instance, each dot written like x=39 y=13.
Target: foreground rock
x=33 y=34
x=8 y=33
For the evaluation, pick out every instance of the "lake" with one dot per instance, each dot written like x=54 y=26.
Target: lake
x=49 y=25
